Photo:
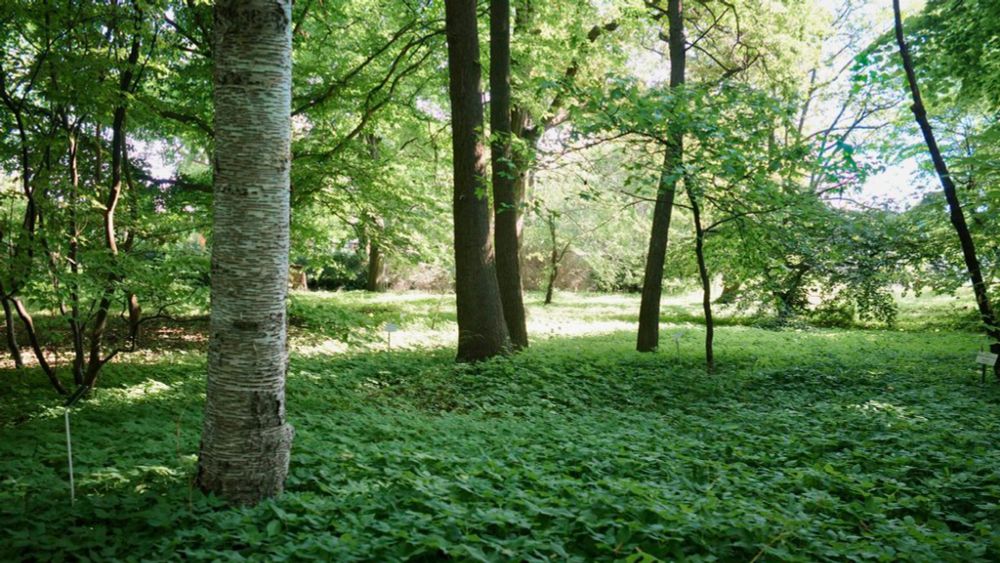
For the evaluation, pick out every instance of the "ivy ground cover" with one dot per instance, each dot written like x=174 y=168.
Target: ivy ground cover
x=807 y=444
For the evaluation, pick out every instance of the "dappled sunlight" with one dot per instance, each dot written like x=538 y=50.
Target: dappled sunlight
x=553 y=328
x=873 y=407
x=321 y=348
x=144 y=390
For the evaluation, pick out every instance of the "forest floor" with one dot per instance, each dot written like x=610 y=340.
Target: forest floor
x=807 y=444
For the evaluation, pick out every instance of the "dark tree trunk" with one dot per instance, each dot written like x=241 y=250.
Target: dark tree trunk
x=96 y=361
x=482 y=332
x=652 y=285
x=550 y=286
x=706 y=282
x=506 y=203
x=75 y=328
x=955 y=207
x=36 y=346
x=553 y=261
x=556 y=256
x=374 y=223
x=521 y=128
x=375 y=264
x=791 y=298
x=12 y=345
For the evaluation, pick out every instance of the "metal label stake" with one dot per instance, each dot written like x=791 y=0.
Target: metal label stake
x=69 y=456
x=677 y=341
x=985 y=359
x=389 y=329
x=67 y=406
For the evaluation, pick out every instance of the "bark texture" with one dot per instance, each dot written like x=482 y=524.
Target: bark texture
x=12 y=346
x=376 y=264
x=706 y=281
x=246 y=442
x=652 y=285
x=36 y=346
x=951 y=195
x=506 y=203
x=482 y=332
x=556 y=255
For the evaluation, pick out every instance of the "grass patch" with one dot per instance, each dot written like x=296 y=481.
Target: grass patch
x=814 y=444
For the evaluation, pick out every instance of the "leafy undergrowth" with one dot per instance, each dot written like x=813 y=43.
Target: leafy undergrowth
x=806 y=445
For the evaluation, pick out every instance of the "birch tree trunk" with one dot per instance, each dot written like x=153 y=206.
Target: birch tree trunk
x=482 y=332
x=246 y=442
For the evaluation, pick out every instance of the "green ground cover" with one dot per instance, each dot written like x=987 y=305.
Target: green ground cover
x=808 y=444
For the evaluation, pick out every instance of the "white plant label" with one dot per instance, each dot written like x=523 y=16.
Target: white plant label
x=987 y=359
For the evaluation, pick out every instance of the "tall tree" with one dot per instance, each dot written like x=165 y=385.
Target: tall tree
x=673 y=157
x=956 y=214
x=482 y=332
x=505 y=199
x=246 y=442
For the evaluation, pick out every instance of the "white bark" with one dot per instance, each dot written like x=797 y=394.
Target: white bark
x=246 y=442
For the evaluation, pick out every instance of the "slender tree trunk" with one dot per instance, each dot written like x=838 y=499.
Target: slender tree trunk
x=550 y=286
x=482 y=332
x=118 y=153
x=23 y=251
x=706 y=282
x=556 y=256
x=522 y=124
x=372 y=222
x=652 y=285
x=521 y=128
x=246 y=442
x=951 y=195
x=505 y=197
x=375 y=265
x=75 y=328
x=12 y=345
x=36 y=346
x=553 y=261
x=132 y=300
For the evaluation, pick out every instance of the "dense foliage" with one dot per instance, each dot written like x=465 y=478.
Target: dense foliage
x=835 y=414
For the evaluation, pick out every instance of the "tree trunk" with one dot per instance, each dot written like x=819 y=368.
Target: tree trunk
x=75 y=328
x=706 y=282
x=506 y=203
x=246 y=442
x=955 y=207
x=730 y=292
x=652 y=285
x=550 y=286
x=375 y=264
x=553 y=261
x=12 y=345
x=372 y=222
x=482 y=332
x=118 y=160
x=36 y=346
